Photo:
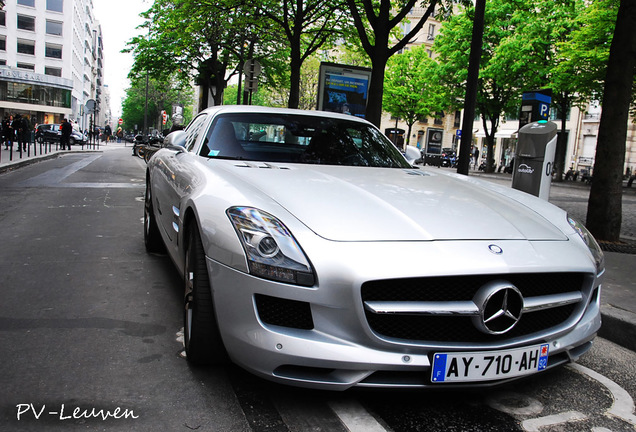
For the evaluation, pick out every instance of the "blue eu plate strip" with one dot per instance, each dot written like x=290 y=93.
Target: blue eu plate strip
x=439 y=368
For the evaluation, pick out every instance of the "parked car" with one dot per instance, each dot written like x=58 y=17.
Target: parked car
x=314 y=253
x=51 y=133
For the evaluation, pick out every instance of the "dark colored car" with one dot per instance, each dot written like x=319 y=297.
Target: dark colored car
x=52 y=133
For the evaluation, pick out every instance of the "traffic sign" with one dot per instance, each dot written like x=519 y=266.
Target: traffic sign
x=90 y=105
x=120 y=121
x=252 y=68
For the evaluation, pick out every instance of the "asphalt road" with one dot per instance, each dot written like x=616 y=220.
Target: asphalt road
x=90 y=327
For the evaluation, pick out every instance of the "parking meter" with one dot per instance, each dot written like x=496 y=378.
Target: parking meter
x=535 y=158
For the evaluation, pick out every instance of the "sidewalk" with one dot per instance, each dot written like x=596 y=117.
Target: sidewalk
x=10 y=160
x=618 y=296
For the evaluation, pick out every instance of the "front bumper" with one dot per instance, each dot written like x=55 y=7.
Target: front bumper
x=340 y=350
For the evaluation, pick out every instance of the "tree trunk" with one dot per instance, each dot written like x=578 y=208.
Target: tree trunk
x=376 y=89
x=294 y=79
x=604 y=210
x=471 y=88
x=562 y=142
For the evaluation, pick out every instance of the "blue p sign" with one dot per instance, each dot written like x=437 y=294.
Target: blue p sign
x=544 y=109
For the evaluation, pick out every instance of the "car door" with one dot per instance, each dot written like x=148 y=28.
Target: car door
x=175 y=182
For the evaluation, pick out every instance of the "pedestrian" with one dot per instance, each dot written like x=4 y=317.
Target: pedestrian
x=24 y=132
x=67 y=129
x=476 y=154
x=6 y=131
x=10 y=134
x=107 y=133
x=120 y=134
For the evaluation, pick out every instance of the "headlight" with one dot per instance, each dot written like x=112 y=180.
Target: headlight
x=272 y=252
x=591 y=243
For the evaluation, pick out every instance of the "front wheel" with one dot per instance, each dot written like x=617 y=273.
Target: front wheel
x=152 y=236
x=203 y=345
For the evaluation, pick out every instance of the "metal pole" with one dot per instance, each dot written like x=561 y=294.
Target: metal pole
x=146 y=108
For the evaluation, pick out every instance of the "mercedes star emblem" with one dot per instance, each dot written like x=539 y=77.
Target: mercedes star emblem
x=500 y=306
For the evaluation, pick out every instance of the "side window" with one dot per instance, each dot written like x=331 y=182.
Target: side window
x=193 y=131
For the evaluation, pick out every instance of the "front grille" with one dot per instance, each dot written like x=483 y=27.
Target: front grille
x=460 y=328
x=284 y=312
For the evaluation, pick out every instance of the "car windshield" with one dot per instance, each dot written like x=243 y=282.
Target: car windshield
x=299 y=139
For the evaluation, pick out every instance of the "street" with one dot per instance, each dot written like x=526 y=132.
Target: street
x=91 y=335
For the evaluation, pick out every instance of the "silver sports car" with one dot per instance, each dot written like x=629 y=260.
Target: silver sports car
x=314 y=253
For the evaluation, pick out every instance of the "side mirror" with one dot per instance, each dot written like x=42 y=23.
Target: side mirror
x=175 y=139
x=412 y=154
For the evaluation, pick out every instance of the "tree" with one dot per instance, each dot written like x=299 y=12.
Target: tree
x=604 y=210
x=200 y=38
x=409 y=90
x=535 y=51
x=499 y=84
x=376 y=23
x=307 y=25
x=162 y=95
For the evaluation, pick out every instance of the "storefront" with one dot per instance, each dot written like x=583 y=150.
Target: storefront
x=41 y=98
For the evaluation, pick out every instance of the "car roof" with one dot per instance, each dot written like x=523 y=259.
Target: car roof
x=245 y=109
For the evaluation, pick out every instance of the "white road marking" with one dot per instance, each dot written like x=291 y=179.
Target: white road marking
x=533 y=425
x=515 y=403
x=623 y=406
x=354 y=417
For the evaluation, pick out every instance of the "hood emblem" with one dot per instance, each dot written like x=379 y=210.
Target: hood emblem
x=500 y=306
x=495 y=249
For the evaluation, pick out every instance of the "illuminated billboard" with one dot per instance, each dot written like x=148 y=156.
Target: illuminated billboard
x=343 y=89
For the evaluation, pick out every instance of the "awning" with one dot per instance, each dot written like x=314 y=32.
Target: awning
x=504 y=133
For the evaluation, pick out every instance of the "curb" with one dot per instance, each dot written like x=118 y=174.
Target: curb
x=10 y=166
x=619 y=326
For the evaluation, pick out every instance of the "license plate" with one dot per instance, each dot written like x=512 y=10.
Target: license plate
x=488 y=365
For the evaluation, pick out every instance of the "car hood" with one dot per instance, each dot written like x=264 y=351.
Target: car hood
x=382 y=204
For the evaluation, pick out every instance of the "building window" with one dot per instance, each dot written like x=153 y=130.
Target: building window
x=431 y=32
x=30 y=3
x=3 y=62
x=26 y=47
x=3 y=19
x=53 y=71
x=26 y=66
x=54 y=28
x=26 y=22
x=3 y=43
x=34 y=94
x=458 y=116
x=53 y=51
x=55 y=5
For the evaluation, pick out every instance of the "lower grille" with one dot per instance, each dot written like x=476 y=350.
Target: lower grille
x=459 y=328
x=284 y=312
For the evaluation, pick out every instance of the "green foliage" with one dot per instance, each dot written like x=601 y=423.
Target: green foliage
x=410 y=91
x=585 y=52
x=162 y=95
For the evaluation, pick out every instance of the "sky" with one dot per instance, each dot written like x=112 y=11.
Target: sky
x=118 y=19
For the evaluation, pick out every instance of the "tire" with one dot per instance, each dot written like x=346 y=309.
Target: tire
x=139 y=151
x=152 y=236
x=147 y=155
x=203 y=345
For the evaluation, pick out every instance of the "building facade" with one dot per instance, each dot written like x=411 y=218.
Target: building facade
x=51 y=62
